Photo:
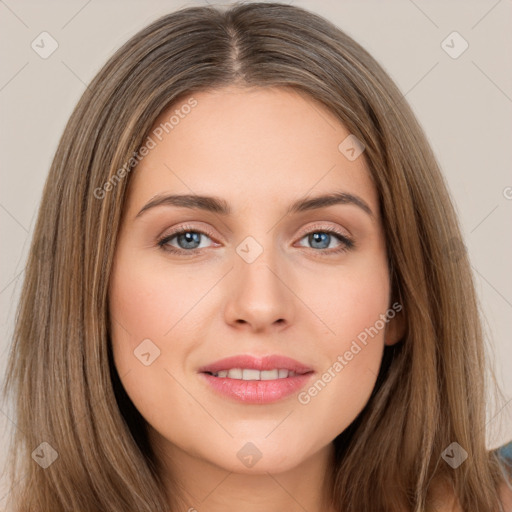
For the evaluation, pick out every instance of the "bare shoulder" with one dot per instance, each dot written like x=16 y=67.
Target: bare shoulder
x=506 y=496
x=444 y=498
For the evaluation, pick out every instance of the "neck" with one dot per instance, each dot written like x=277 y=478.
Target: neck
x=198 y=484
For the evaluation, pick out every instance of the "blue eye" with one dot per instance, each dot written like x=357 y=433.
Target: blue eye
x=188 y=240
x=322 y=240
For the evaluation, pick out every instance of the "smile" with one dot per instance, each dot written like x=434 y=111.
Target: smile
x=255 y=379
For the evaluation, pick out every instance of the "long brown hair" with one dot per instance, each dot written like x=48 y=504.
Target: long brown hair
x=431 y=389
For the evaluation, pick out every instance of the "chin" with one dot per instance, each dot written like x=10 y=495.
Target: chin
x=273 y=464
x=262 y=456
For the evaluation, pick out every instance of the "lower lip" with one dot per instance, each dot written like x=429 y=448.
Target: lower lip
x=257 y=391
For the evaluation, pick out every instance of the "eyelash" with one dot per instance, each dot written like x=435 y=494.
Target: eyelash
x=347 y=243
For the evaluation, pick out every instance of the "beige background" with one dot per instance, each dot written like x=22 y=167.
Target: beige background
x=464 y=105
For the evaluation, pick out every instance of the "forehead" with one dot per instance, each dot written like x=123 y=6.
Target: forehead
x=266 y=144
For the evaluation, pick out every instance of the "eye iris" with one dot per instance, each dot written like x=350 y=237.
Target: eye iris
x=319 y=238
x=190 y=239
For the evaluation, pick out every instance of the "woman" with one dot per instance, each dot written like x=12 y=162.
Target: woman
x=311 y=351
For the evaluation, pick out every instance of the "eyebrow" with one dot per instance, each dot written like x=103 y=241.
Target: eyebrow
x=220 y=206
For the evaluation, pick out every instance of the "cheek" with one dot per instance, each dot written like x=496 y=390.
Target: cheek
x=347 y=301
x=353 y=309
x=140 y=314
x=144 y=308
x=147 y=302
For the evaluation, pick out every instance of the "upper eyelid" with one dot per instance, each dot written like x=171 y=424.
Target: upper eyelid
x=318 y=226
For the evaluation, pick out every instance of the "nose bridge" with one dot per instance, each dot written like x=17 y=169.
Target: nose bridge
x=258 y=263
x=258 y=247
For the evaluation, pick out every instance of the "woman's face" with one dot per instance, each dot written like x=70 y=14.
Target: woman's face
x=262 y=270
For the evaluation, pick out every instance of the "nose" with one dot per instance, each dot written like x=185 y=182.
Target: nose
x=259 y=294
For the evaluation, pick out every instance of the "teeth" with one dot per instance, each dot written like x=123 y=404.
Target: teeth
x=235 y=373
x=251 y=374
x=269 y=374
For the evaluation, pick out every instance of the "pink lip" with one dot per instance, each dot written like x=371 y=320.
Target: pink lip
x=256 y=363
x=257 y=391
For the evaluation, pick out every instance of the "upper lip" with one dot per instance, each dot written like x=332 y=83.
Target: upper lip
x=256 y=363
